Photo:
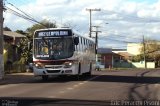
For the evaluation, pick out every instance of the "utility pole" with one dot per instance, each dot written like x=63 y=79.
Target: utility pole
x=144 y=52
x=1 y=41
x=90 y=20
x=96 y=41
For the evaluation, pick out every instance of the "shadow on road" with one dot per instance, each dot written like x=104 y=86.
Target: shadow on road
x=138 y=82
x=141 y=89
x=7 y=101
x=127 y=79
x=17 y=79
x=142 y=92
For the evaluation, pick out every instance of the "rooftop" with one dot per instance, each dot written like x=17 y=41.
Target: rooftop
x=12 y=34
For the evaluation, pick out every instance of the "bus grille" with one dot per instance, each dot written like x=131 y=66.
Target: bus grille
x=53 y=71
x=54 y=67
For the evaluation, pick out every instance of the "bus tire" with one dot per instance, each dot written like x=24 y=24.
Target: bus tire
x=79 y=71
x=44 y=77
x=79 y=68
x=90 y=70
x=87 y=74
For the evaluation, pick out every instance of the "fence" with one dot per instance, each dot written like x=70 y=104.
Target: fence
x=134 y=65
x=13 y=68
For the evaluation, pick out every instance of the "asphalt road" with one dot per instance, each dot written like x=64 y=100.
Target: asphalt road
x=103 y=88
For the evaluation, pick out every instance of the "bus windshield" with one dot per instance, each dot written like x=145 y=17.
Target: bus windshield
x=53 y=48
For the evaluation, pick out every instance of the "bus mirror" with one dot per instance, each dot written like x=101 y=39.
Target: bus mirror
x=76 y=40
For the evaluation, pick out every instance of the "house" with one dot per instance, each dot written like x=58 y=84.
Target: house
x=123 y=57
x=105 y=57
x=12 y=37
x=111 y=57
x=11 y=40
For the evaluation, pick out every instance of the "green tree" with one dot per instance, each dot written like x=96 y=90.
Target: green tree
x=151 y=48
x=152 y=52
x=137 y=58
x=21 y=32
x=26 y=54
x=44 y=24
x=6 y=29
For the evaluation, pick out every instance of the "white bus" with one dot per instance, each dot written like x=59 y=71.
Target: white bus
x=62 y=51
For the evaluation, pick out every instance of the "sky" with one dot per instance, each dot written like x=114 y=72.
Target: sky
x=120 y=21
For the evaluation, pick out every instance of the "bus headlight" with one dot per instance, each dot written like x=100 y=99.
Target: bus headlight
x=39 y=65
x=68 y=64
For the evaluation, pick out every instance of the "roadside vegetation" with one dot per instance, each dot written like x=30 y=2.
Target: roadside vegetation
x=25 y=53
x=151 y=52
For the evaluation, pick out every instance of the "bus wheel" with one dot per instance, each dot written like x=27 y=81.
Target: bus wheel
x=78 y=77
x=44 y=77
x=88 y=74
x=90 y=70
x=79 y=72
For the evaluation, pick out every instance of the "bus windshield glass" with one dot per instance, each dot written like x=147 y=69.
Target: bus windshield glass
x=53 y=48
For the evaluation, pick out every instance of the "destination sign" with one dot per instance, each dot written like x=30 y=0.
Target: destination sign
x=53 y=33
x=42 y=56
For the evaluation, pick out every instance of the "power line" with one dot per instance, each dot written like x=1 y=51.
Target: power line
x=122 y=36
x=18 y=14
x=123 y=41
x=132 y=17
x=124 y=46
x=113 y=38
x=22 y=11
x=23 y=15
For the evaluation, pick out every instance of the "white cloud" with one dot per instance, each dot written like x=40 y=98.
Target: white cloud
x=127 y=18
x=129 y=7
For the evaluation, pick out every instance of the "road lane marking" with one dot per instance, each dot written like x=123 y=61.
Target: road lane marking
x=52 y=96
x=62 y=92
x=8 y=86
x=70 y=88
x=81 y=83
x=94 y=78
x=157 y=85
x=75 y=85
x=78 y=85
x=85 y=81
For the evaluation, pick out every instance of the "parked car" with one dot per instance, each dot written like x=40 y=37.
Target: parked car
x=99 y=66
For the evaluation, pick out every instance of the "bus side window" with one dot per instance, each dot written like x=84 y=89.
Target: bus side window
x=78 y=46
x=81 y=46
x=87 y=44
x=76 y=40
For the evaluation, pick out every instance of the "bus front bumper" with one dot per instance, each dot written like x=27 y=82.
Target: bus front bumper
x=67 y=71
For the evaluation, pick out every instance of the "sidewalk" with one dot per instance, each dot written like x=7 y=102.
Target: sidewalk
x=16 y=78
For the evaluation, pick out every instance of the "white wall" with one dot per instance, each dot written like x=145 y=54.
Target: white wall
x=142 y=64
x=134 y=48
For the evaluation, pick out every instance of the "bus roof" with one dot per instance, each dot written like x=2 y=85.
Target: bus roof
x=76 y=33
x=45 y=29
